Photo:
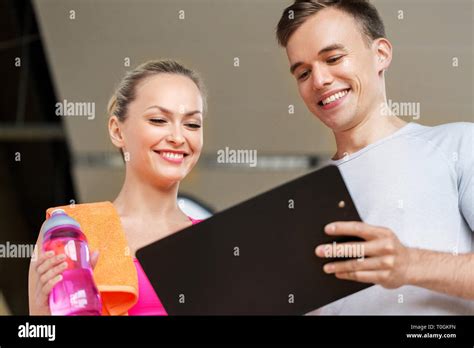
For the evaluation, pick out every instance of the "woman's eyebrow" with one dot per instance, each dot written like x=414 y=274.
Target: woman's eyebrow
x=162 y=109
x=192 y=113
x=166 y=111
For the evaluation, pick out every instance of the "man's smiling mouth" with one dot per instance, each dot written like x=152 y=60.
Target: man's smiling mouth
x=328 y=99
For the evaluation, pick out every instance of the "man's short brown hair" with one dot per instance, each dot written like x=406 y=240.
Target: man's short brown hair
x=362 y=11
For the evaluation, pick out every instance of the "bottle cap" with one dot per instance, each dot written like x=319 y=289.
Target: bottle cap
x=58 y=211
x=58 y=217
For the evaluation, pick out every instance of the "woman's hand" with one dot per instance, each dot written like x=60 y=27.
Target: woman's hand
x=48 y=272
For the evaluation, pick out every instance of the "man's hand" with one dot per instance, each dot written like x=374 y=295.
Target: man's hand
x=385 y=261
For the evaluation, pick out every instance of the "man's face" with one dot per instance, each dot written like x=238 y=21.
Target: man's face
x=336 y=72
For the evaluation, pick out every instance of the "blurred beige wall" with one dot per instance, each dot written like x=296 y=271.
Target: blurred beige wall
x=248 y=104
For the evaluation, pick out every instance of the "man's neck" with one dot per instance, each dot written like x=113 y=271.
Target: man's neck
x=366 y=132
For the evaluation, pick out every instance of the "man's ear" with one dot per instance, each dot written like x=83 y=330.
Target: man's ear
x=383 y=54
x=115 y=132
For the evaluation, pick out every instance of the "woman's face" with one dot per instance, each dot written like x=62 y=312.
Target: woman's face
x=162 y=133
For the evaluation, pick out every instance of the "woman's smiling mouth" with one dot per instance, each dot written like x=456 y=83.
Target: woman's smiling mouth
x=176 y=157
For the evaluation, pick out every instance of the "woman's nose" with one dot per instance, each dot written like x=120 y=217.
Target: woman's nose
x=175 y=136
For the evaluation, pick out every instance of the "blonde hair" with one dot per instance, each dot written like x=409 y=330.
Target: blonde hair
x=125 y=92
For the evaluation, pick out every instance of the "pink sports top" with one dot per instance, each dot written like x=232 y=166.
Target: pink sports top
x=148 y=302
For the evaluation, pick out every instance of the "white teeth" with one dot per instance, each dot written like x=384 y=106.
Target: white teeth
x=334 y=97
x=172 y=155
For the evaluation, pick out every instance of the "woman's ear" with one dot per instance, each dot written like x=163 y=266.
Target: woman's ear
x=115 y=132
x=383 y=52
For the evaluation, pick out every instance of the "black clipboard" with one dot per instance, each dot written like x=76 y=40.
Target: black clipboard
x=256 y=258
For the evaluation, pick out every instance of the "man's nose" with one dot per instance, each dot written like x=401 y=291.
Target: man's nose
x=321 y=77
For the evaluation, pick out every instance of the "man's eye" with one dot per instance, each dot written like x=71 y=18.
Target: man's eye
x=193 y=125
x=303 y=75
x=158 y=120
x=334 y=59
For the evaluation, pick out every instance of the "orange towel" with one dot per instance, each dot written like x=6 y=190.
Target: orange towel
x=115 y=274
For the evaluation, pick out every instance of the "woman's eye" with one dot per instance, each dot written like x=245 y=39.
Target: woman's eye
x=334 y=59
x=158 y=120
x=193 y=125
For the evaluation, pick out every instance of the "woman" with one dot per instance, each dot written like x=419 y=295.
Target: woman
x=155 y=119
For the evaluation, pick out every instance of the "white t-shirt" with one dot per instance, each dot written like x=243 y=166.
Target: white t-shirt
x=419 y=183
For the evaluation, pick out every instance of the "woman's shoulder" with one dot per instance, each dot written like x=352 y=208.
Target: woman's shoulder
x=83 y=208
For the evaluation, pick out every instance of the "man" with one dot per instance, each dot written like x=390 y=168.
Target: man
x=413 y=181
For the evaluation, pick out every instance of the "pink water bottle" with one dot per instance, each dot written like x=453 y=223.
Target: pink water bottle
x=76 y=293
